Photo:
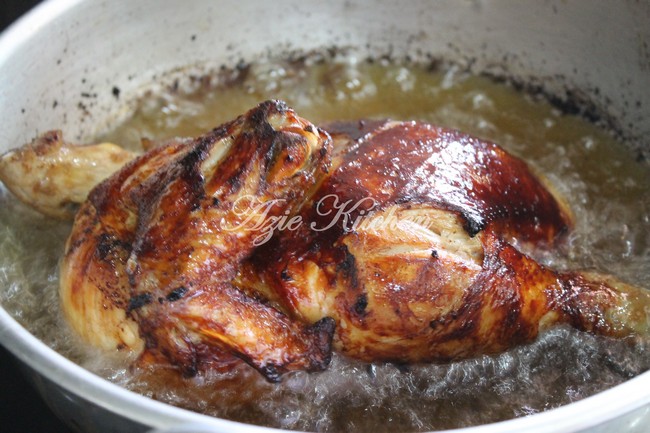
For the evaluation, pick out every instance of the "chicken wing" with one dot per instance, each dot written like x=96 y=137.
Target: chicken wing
x=153 y=250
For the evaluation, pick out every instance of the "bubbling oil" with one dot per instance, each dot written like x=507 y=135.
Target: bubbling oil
x=607 y=189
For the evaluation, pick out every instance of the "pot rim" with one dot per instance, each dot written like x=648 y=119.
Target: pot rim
x=583 y=414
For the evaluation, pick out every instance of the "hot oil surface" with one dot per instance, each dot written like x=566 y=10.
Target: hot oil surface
x=607 y=189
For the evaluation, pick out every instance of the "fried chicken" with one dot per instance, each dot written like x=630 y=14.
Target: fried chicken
x=270 y=241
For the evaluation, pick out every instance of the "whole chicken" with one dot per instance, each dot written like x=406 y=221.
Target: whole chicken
x=271 y=241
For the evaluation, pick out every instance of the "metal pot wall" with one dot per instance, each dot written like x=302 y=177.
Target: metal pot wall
x=598 y=51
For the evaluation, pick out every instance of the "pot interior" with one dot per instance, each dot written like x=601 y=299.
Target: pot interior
x=86 y=81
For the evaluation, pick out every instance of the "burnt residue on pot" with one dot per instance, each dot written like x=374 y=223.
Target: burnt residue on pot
x=589 y=103
x=579 y=103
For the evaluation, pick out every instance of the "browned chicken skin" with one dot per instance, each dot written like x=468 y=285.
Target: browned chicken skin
x=159 y=243
x=265 y=241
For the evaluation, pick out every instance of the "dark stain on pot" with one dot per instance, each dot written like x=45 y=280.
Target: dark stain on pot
x=84 y=109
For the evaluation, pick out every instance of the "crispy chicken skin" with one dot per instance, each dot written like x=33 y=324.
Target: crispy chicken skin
x=153 y=250
x=422 y=270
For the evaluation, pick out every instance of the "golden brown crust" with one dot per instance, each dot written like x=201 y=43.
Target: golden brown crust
x=94 y=289
x=412 y=162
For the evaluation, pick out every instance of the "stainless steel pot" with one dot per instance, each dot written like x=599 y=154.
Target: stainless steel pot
x=70 y=64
